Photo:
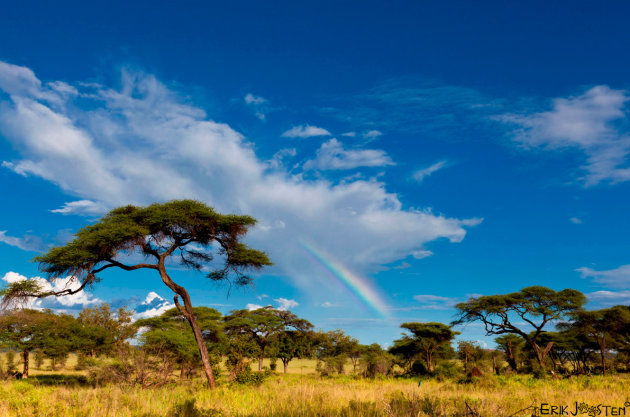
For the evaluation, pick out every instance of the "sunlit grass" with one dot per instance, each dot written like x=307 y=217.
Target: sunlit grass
x=309 y=395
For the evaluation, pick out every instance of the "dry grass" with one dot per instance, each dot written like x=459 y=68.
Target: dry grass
x=308 y=395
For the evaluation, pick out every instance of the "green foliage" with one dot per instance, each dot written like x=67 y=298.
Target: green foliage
x=247 y=377
x=426 y=339
x=375 y=361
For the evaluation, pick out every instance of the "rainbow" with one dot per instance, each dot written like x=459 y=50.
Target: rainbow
x=356 y=284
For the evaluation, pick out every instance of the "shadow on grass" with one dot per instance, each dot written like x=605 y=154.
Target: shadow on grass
x=58 y=379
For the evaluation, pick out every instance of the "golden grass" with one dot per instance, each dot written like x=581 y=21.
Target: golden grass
x=308 y=395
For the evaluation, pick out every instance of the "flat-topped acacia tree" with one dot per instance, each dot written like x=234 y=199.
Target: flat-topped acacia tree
x=185 y=230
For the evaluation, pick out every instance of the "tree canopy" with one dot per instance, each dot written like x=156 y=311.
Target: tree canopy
x=184 y=229
x=536 y=306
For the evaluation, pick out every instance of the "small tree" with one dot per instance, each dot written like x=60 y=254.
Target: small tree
x=332 y=350
x=425 y=338
x=167 y=334
x=536 y=306
x=262 y=325
x=100 y=329
x=185 y=229
x=292 y=344
x=466 y=351
x=511 y=345
x=25 y=330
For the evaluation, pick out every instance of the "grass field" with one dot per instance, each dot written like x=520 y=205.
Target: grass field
x=309 y=395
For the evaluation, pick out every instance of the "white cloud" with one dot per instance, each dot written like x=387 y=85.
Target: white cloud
x=349 y=134
x=252 y=307
x=328 y=304
x=615 y=278
x=252 y=99
x=305 y=131
x=332 y=156
x=82 y=298
x=27 y=242
x=434 y=302
x=152 y=306
x=609 y=298
x=421 y=253
x=258 y=104
x=277 y=161
x=589 y=123
x=140 y=144
x=81 y=207
x=403 y=265
x=421 y=174
x=285 y=304
x=575 y=220
x=372 y=134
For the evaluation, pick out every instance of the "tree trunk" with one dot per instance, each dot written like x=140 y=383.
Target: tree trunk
x=540 y=354
x=260 y=359
x=465 y=361
x=429 y=360
x=602 y=348
x=25 y=369
x=511 y=358
x=187 y=311
x=286 y=366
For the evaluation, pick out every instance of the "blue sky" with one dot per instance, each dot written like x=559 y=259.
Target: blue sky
x=435 y=152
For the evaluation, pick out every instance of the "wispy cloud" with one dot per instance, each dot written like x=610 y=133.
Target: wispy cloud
x=423 y=173
x=435 y=302
x=609 y=298
x=305 y=131
x=615 y=278
x=258 y=104
x=594 y=123
x=575 y=220
x=81 y=207
x=332 y=156
x=27 y=242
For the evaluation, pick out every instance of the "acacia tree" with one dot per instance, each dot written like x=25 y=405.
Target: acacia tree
x=425 y=338
x=536 y=306
x=24 y=330
x=184 y=229
x=262 y=325
x=102 y=329
x=291 y=344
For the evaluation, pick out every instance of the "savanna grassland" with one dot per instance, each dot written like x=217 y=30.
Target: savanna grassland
x=303 y=393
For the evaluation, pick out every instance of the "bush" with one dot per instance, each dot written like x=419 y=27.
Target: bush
x=419 y=368
x=248 y=377
x=446 y=369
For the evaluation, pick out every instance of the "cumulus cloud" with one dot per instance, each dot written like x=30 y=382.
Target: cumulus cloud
x=592 y=123
x=615 y=278
x=332 y=156
x=152 y=306
x=252 y=307
x=305 y=131
x=423 y=173
x=64 y=302
x=285 y=304
x=27 y=242
x=142 y=143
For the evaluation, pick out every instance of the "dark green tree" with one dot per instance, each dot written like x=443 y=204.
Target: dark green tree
x=292 y=344
x=262 y=324
x=183 y=230
x=467 y=350
x=425 y=339
x=333 y=349
x=536 y=306
x=24 y=330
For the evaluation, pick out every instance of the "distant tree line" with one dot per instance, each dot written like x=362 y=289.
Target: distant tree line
x=538 y=331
